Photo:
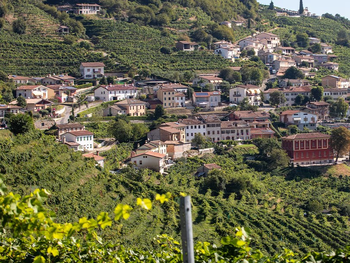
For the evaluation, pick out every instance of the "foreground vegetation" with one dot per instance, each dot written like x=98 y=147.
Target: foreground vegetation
x=282 y=209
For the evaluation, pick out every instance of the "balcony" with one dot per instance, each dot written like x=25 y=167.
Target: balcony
x=237 y=95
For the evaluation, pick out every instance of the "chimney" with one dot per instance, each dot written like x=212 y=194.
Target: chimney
x=63 y=139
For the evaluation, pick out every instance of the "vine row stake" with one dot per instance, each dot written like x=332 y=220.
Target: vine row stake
x=186 y=229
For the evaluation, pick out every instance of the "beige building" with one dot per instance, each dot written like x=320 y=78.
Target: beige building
x=171 y=98
x=176 y=149
x=251 y=92
x=150 y=160
x=170 y=131
x=213 y=126
x=131 y=107
x=235 y=130
x=35 y=92
x=335 y=82
x=290 y=93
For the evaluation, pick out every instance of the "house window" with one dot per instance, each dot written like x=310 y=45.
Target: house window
x=140 y=162
x=208 y=132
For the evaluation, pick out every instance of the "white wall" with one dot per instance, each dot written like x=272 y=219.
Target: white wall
x=150 y=162
x=192 y=129
x=87 y=141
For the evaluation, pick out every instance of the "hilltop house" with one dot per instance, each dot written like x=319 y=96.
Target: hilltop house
x=115 y=92
x=319 y=108
x=62 y=92
x=170 y=131
x=153 y=146
x=330 y=65
x=92 y=70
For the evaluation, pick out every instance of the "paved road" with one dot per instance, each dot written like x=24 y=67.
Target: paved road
x=68 y=111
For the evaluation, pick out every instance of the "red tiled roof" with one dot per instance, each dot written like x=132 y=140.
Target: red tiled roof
x=69 y=125
x=92 y=155
x=319 y=103
x=118 y=87
x=26 y=87
x=257 y=131
x=289 y=112
x=92 y=64
x=211 y=166
x=301 y=136
x=153 y=154
x=80 y=133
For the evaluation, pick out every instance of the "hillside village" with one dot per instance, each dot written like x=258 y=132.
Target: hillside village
x=112 y=113
x=243 y=114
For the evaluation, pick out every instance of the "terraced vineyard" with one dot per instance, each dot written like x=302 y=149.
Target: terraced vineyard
x=32 y=55
x=135 y=46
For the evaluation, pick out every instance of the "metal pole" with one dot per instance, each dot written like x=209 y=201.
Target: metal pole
x=186 y=229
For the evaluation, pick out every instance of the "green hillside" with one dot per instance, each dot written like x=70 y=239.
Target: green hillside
x=281 y=212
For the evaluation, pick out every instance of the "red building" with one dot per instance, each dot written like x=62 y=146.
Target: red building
x=308 y=148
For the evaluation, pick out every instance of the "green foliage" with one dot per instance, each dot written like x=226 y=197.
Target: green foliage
x=317 y=93
x=201 y=141
x=338 y=108
x=159 y=112
x=19 y=26
x=340 y=141
x=277 y=97
x=293 y=73
x=230 y=75
x=21 y=123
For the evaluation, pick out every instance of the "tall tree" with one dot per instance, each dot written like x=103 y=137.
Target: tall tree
x=271 y=6
x=159 y=112
x=340 y=141
x=21 y=101
x=277 y=98
x=317 y=93
x=301 y=7
x=21 y=123
x=293 y=73
x=121 y=130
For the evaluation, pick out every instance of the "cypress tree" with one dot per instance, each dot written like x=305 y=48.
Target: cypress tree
x=272 y=6
x=301 y=7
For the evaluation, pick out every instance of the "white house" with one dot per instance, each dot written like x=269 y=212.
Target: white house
x=299 y=118
x=227 y=50
x=240 y=92
x=92 y=70
x=192 y=127
x=150 y=160
x=87 y=9
x=79 y=140
x=235 y=130
x=290 y=93
x=115 y=92
x=32 y=92
x=180 y=99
